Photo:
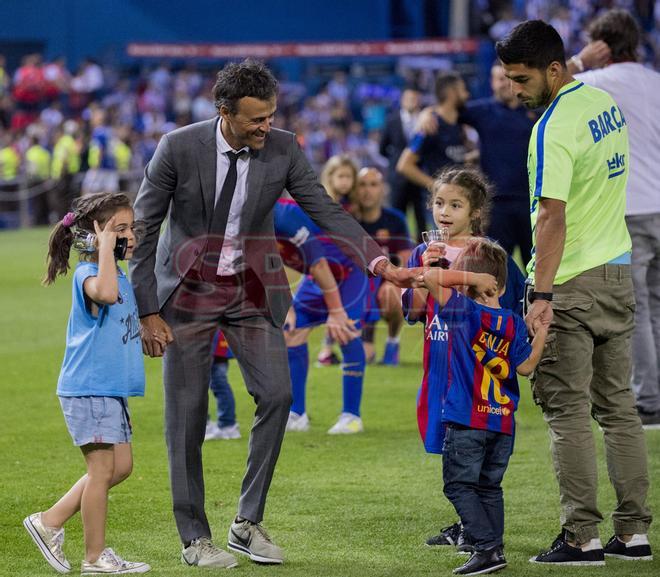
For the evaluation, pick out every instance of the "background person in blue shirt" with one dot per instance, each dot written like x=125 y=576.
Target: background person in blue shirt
x=430 y=152
x=399 y=129
x=388 y=227
x=102 y=367
x=504 y=127
x=488 y=345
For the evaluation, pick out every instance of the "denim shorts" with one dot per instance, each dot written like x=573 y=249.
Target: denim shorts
x=97 y=420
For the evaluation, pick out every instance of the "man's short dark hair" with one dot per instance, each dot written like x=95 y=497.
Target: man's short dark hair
x=411 y=87
x=239 y=79
x=532 y=43
x=619 y=30
x=443 y=82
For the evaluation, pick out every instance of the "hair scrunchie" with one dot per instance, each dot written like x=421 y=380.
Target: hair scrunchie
x=69 y=219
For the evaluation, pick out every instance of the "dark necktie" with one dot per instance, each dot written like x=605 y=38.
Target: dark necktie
x=219 y=221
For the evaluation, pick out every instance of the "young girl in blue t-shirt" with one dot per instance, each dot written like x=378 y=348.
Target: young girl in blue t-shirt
x=102 y=367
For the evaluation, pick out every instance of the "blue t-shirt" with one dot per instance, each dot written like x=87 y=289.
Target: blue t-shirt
x=103 y=356
x=486 y=345
x=504 y=134
x=443 y=148
x=302 y=243
x=390 y=231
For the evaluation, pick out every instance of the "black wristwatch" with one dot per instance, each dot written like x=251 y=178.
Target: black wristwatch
x=534 y=296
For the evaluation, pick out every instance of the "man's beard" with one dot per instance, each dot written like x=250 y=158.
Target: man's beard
x=542 y=100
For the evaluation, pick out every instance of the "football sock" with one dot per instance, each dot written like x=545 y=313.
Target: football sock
x=298 y=367
x=353 y=365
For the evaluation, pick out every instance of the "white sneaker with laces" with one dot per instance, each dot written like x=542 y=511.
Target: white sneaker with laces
x=230 y=432
x=49 y=541
x=109 y=563
x=347 y=424
x=203 y=553
x=296 y=422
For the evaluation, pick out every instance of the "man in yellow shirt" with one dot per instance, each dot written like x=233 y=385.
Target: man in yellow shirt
x=581 y=287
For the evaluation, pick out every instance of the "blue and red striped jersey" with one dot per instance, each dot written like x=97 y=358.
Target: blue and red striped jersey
x=301 y=242
x=436 y=377
x=485 y=347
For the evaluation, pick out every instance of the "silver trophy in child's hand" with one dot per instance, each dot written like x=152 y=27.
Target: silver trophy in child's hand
x=439 y=235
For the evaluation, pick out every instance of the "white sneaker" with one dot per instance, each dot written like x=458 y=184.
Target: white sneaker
x=230 y=432
x=212 y=431
x=111 y=563
x=203 y=553
x=297 y=422
x=347 y=424
x=49 y=542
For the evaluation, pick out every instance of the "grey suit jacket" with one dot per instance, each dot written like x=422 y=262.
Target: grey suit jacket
x=179 y=188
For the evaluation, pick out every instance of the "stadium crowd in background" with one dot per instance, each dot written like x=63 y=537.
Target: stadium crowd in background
x=58 y=106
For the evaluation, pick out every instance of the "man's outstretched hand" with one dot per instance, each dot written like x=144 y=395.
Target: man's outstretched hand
x=401 y=277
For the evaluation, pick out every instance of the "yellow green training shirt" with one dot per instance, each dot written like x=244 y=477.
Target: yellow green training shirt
x=578 y=153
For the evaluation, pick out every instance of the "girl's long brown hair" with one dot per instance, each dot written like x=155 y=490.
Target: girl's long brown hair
x=86 y=210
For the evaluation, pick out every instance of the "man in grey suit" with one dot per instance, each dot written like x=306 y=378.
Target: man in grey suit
x=216 y=263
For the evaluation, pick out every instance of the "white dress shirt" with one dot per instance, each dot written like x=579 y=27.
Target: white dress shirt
x=231 y=256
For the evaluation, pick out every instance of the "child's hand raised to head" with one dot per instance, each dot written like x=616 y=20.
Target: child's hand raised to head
x=485 y=285
x=106 y=236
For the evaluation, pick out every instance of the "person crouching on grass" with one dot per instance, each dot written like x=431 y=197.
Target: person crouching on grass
x=102 y=367
x=488 y=345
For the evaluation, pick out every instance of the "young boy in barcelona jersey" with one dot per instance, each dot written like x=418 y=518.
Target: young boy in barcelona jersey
x=487 y=346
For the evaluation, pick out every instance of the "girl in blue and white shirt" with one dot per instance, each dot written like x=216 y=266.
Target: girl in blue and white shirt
x=102 y=367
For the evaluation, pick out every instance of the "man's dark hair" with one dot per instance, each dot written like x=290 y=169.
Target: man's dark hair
x=619 y=30
x=532 y=43
x=443 y=82
x=239 y=79
x=411 y=88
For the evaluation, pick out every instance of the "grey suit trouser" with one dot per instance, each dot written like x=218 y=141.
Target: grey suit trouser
x=194 y=312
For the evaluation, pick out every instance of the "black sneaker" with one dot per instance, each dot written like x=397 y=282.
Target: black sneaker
x=650 y=421
x=561 y=553
x=481 y=562
x=637 y=549
x=464 y=545
x=447 y=536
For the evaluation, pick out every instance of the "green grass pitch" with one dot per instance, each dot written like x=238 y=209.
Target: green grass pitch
x=358 y=505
